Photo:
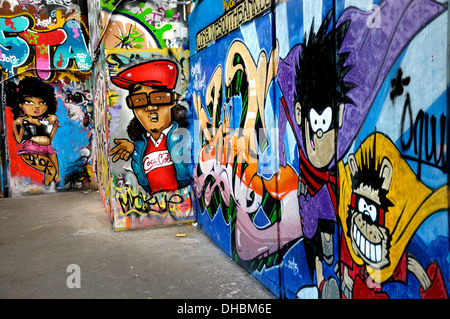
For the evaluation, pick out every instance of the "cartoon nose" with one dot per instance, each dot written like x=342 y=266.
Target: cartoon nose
x=319 y=133
x=151 y=107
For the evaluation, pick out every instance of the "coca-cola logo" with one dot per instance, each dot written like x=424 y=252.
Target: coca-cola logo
x=157 y=159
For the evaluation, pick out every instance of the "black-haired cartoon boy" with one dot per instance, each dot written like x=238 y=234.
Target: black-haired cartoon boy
x=316 y=116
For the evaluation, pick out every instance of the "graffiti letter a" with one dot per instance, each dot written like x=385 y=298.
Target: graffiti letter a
x=74 y=49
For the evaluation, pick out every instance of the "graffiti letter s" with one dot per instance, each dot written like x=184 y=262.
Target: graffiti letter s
x=14 y=51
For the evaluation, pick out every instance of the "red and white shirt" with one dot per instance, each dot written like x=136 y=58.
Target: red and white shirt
x=158 y=164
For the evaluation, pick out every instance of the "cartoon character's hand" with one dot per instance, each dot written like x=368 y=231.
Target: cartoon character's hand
x=348 y=281
x=52 y=119
x=416 y=268
x=19 y=121
x=123 y=149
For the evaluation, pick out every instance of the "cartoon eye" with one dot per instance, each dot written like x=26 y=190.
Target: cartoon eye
x=323 y=121
x=29 y=102
x=367 y=209
x=326 y=118
x=314 y=119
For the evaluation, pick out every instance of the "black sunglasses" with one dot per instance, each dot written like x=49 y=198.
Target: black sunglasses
x=158 y=98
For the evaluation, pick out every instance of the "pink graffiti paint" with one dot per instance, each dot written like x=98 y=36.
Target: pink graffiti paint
x=76 y=34
x=43 y=41
x=42 y=66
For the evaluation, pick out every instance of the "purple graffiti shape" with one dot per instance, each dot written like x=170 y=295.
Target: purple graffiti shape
x=372 y=53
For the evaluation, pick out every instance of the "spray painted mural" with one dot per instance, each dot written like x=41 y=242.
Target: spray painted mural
x=45 y=66
x=320 y=147
x=144 y=24
x=149 y=124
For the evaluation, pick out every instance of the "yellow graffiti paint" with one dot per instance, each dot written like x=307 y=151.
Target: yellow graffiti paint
x=133 y=200
x=413 y=202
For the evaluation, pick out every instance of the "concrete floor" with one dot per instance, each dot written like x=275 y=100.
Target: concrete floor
x=41 y=235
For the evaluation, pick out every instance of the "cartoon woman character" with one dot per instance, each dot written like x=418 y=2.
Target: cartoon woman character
x=35 y=124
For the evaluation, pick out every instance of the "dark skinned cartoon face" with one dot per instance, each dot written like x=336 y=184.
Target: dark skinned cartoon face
x=152 y=108
x=369 y=237
x=34 y=106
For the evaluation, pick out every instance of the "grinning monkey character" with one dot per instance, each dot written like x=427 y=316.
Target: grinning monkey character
x=365 y=223
x=370 y=239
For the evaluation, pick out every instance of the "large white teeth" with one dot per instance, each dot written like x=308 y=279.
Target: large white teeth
x=362 y=247
x=371 y=251
x=378 y=252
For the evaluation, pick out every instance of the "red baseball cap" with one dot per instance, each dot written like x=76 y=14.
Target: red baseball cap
x=153 y=73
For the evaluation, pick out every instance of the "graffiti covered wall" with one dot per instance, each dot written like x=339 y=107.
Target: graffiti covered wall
x=308 y=138
x=101 y=132
x=100 y=105
x=320 y=143
x=148 y=116
x=46 y=101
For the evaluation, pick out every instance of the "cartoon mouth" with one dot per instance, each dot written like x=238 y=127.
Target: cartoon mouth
x=312 y=145
x=370 y=251
x=153 y=117
x=36 y=112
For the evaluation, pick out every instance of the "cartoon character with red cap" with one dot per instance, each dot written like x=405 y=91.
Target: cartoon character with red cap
x=159 y=148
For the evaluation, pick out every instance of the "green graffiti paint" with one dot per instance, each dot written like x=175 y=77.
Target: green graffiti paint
x=157 y=31
x=133 y=37
x=169 y=13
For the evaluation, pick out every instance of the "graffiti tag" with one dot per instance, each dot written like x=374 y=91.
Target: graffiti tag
x=132 y=201
x=54 y=49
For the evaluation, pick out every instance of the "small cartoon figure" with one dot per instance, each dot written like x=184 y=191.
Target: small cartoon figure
x=159 y=150
x=35 y=124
